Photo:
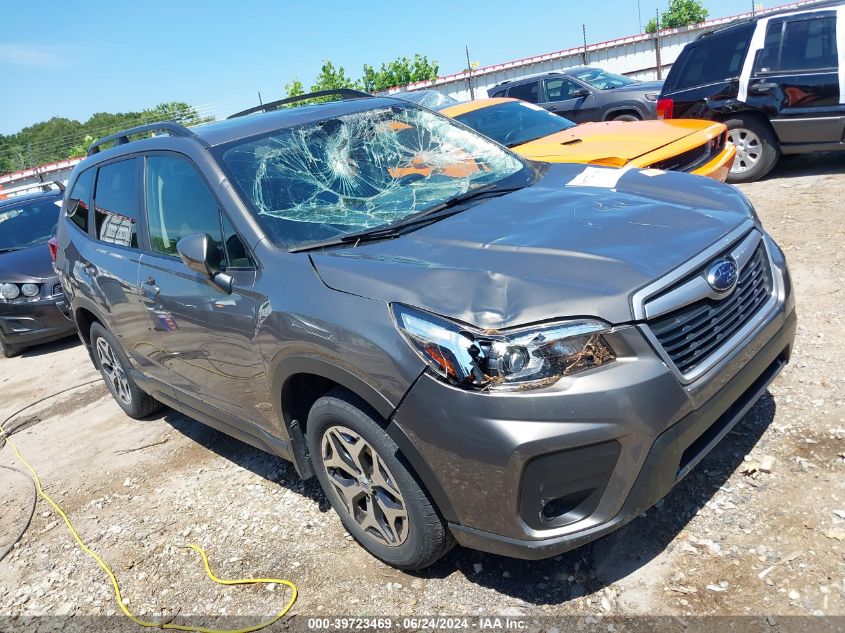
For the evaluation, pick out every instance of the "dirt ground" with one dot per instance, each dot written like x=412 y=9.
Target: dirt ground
x=726 y=541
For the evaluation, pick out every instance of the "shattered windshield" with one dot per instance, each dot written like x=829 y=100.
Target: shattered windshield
x=359 y=171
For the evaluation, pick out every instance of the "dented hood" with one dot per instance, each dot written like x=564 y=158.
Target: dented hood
x=579 y=242
x=616 y=143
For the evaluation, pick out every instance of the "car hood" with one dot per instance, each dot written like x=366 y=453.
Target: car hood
x=614 y=143
x=580 y=242
x=640 y=86
x=32 y=263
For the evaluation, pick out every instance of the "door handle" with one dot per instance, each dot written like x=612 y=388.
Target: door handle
x=763 y=88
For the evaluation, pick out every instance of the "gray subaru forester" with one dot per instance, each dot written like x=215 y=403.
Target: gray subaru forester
x=460 y=344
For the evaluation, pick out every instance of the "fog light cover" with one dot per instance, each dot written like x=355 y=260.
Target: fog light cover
x=524 y=358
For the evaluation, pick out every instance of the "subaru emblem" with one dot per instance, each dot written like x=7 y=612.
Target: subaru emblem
x=722 y=275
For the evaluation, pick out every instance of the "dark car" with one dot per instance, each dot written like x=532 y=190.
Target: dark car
x=586 y=94
x=430 y=324
x=774 y=81
x=32 y=305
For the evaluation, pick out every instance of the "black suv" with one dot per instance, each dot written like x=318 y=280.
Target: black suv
x=586 y=94
x=430 y=324
x=774 y=81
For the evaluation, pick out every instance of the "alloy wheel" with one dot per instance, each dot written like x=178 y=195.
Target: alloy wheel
x=365 y=485
x=113 y=371
x=749 y=149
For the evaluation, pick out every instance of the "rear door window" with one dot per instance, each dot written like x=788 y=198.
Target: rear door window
x=79 y=199
x=712 y=59
x=527 y=92
x=117 y=202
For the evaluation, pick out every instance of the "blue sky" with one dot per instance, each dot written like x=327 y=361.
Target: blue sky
x=72 y=59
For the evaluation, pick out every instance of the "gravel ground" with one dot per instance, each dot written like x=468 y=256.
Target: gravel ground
x=758 y=528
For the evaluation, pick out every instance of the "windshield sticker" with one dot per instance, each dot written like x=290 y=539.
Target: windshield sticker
x=601 y=177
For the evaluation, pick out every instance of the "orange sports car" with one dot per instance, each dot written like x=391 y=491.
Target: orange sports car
x=697 y=147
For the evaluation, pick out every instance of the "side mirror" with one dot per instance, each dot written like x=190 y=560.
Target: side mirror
x=580 y=93
x=201 y=254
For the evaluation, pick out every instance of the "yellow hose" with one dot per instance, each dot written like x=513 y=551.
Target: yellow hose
x=196 y=548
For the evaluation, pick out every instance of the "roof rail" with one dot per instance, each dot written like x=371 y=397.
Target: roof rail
x=121 y=138
x=44 y=186
x=345 y=93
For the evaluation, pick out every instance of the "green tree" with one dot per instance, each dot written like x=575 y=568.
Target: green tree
x=294 y=88
x=81 y=148
x=400 y=72
x=679 y=13
x=331 y=78
x=60 y=138
x=177 y=111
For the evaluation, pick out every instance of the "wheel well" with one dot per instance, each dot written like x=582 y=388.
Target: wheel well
x=299 y=394
x=615 y=113
x=747 y=114
x=84 y=320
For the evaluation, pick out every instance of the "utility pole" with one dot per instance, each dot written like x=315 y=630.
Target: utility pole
x=469 y=76
x=657 y=55
x=584 y=31
x=640 y=16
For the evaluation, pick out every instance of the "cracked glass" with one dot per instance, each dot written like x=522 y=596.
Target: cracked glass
x=359 y=171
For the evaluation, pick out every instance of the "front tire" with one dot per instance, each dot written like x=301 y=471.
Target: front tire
x=113 y=364
x=362 y=473
x=8 y=350
x=626 y=117
x=757 y=150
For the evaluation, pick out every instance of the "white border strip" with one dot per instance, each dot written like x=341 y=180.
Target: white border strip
x=840 y=47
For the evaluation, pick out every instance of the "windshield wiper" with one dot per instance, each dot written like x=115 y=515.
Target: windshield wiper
x=428 y=216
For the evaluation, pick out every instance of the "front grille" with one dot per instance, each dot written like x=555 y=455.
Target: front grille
x=694 y=158
x=57 y=289
x=690 y=334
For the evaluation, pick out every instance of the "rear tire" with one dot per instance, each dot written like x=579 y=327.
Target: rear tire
x=378 y=500
x=757 y=149
x=626 y=117
x=113 y=364
x=8 y=350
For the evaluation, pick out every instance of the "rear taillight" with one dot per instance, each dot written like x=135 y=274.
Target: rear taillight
x=665 y=108
x=53 y=245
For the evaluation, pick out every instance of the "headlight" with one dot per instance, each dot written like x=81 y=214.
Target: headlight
x=652 y=96
x=9 y=291
x=30 y=290
x=525 y=358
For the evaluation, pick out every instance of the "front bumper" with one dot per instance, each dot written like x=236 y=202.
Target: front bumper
x=27 y=323
x=719 y=167
x=598 y=448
